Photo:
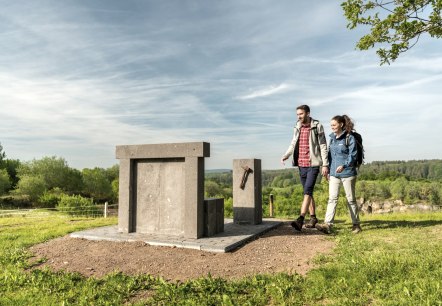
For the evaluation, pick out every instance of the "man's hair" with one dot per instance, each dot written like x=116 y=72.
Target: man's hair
x=304 y=107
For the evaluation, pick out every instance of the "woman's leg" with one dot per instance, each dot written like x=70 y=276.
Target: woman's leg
x=333 y=193
x=349 y=184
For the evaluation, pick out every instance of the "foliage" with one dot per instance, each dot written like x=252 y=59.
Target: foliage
x=50 y=199
x=32 y=186
x=78 y=206
x=410 y=182
x=2 y=154
x=97 y=184
x=5 y=182
x=54 y=172
x=380 y=266
x=411 y=170
x=113 y=172
x=11 y=166
x=14 y=201
x=398 y=24
x=115 y=189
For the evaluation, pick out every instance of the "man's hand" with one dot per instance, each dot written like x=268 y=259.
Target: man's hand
x=339 y=169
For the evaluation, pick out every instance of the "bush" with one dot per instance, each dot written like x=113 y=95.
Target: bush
x=78 y=206
x=228 y=207
x=15 y=201
x=50 y=199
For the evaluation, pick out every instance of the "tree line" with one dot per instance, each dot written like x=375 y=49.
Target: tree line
x=407 y=181
x=50 y=182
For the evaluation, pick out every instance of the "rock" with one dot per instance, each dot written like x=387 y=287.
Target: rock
x=398 y=202
x=376 y=206
x=423 y=207
x=396 y=209
x=387 y=205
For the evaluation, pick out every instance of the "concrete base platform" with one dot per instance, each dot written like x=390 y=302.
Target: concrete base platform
x=234 y=235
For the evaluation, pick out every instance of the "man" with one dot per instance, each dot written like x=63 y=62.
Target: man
x=309 y=149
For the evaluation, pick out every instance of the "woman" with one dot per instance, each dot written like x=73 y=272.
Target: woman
x=342 y=160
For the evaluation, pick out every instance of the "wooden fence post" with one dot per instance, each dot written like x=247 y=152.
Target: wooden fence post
x=105 y=209
x=271 y=205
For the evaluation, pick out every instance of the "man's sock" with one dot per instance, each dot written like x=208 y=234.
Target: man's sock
x=312 y=216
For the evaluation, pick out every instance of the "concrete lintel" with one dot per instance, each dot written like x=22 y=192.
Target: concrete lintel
x=165 y=150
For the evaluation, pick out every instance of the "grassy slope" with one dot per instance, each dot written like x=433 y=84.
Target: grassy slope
x=396 y=260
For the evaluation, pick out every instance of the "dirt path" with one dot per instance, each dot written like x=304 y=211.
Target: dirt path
x=280 y=250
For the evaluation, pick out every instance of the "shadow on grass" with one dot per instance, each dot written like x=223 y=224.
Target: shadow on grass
x=384 y=224
x=285 y=229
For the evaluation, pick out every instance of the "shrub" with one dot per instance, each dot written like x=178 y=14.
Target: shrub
x=15 y=201
x=78 y=206
x=50 y=199
x=228 y=207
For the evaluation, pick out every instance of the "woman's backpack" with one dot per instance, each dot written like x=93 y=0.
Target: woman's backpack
x=359 y=147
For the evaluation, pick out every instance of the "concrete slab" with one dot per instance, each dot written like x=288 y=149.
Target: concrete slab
x=234 y=236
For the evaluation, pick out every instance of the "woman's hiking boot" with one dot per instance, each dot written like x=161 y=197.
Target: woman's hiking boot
x=311 y=223
x=324 y=228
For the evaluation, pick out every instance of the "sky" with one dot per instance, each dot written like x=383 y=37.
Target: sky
x=78 y=78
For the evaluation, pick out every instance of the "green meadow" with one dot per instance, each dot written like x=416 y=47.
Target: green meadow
x=396 y=260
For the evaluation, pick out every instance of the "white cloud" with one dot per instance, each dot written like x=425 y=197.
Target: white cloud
x=268 y=91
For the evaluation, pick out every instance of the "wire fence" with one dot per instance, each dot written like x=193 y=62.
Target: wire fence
x=93 y=211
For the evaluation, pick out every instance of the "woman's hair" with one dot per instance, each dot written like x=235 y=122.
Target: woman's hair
x=347 y=123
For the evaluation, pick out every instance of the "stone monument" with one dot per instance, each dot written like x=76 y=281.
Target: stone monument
x=161 y=188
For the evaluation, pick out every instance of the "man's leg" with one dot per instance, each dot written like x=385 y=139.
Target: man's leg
x=308 y=177
x=312 y=207
x=312 y=210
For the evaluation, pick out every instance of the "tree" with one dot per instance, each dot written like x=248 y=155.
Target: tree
x=31 y=185
x=11 y=166
x=97 y=184
x=398 y=23
x=5 y=182
x=55 y=172
x=2 y=154
x=212 y=189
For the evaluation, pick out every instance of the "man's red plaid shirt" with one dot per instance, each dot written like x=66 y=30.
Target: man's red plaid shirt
x=304 y=148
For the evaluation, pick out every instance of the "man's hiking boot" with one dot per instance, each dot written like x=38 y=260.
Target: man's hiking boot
x=297 y=224
x=311 y=223
x=356 y=229
x=324 y=228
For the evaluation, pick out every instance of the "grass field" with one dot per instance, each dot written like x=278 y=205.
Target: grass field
x=396 y=260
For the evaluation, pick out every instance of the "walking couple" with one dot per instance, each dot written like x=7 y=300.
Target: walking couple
x=311 y=155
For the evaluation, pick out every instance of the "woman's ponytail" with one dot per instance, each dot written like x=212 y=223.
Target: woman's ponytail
x=348 y=125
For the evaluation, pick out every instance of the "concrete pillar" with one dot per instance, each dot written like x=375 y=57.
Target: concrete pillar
x=247 y=191
x=213 y=216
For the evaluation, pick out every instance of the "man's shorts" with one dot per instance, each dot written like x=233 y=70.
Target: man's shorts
x=308 y=178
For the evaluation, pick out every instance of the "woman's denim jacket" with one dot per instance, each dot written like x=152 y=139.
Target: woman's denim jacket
x=341 y=154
